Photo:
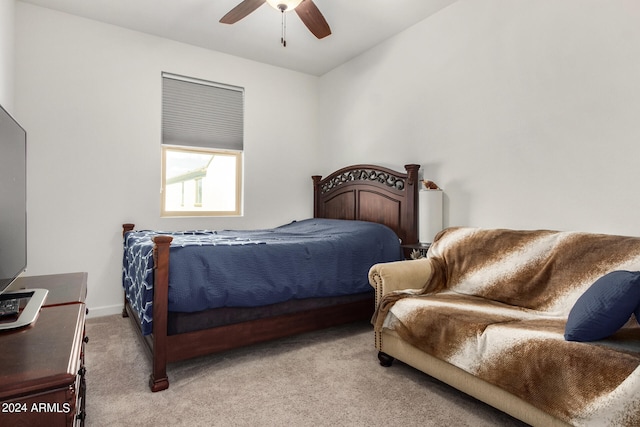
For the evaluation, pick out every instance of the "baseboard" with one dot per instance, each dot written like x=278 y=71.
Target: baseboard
x=104 y=311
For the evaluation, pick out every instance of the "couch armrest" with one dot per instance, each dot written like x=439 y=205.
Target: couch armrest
x=399 y=275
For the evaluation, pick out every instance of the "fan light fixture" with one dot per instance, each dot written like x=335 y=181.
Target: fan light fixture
x=284 y=5
x=306 y=10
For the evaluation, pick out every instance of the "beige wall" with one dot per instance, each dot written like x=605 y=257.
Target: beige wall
x=7 y=45
x=525 y=112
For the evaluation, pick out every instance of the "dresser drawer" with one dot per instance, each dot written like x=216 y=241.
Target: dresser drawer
x=42 y=376
x=52 y=408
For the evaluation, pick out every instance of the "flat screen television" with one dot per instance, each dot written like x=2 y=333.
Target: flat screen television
x=13 y=224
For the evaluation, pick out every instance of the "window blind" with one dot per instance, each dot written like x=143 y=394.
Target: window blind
x=203 y=114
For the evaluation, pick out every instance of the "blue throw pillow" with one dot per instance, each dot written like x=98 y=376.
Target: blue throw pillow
x=605 y=307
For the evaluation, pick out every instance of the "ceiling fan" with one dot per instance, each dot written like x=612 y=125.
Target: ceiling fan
x=308 y=12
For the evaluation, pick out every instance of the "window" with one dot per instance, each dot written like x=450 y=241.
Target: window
x=202 y=147
x=200 y=181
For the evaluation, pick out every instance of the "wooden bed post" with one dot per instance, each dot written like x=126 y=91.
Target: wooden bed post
x=411 y=213
x=126 y=228
x=159 y=380
x=316 y=196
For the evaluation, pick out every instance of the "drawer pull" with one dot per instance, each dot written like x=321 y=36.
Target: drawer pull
x=82 y=371
x=85 y=339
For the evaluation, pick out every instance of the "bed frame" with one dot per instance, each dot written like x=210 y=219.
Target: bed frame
x=360 y=192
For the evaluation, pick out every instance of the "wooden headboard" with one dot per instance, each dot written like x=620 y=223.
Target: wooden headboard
x=371 y=193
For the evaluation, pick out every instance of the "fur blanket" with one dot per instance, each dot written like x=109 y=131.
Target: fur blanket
x=496 y=306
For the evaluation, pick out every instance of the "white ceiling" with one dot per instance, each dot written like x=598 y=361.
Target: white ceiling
x=356 y=25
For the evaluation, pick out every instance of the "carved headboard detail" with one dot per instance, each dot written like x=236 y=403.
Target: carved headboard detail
x=371 y=193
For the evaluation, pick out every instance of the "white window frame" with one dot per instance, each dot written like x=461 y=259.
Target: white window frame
x=206 y=118
x=195 y=210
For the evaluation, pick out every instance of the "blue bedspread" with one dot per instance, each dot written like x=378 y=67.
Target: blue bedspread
x=249 y=268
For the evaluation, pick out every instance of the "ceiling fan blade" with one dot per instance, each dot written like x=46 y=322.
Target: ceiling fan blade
x=313 y=19
x=241 y=11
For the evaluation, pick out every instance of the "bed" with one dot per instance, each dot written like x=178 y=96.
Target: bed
x=324 y=283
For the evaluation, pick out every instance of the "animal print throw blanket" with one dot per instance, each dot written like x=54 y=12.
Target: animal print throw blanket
x=496 y=306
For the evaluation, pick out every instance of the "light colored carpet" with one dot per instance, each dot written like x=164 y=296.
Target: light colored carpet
x=325 y=378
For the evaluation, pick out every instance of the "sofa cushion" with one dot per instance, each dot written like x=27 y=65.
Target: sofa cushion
x=605 y=307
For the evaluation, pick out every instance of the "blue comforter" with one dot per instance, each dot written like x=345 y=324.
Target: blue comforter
x=211 y=269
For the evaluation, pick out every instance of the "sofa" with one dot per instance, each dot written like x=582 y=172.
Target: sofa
x=540 y=324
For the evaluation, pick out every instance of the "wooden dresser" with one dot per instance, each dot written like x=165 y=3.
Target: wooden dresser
x=42 y=365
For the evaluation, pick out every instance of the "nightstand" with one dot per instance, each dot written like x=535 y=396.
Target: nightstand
x=415 y=251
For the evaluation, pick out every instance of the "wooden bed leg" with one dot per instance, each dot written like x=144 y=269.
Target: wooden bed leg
x=385 y=359
x=125 y=313
x=158 y=385
x=159 y=380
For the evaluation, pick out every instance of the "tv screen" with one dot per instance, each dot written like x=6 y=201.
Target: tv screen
x=13 y=199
